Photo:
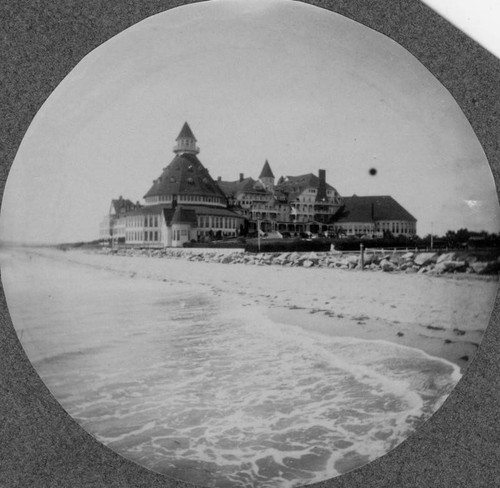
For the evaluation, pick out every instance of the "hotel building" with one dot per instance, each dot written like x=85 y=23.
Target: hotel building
x=185 y=204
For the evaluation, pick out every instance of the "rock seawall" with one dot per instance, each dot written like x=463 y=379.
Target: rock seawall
x=431 y=263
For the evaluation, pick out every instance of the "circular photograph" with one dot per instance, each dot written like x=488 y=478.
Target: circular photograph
x=250 y=244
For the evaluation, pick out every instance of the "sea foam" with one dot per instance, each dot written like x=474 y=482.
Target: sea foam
x=208 y=390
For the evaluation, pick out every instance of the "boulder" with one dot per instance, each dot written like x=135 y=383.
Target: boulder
x=351 y=260
x=450 y=266
x=425 y=258
x=312 y=256
x=227 y=259
x=450 y=256
x=283 y=257
x=407 y=256
x=482 y=268
x=397 y=260
x=387 y=266
x=307 y=263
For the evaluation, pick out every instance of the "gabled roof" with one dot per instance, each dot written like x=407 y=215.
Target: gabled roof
x=247 y=185
x=266 y=171
x=186 y=132
x=122 y=205
x=150 y=209
x=183 y=215
x=185 y=175
x=373 y=208
x=295 y=185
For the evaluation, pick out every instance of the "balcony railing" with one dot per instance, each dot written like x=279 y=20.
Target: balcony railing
x=182 y=148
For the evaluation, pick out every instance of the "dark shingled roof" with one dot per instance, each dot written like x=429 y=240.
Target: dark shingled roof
x=186 y=132
x=295 y=185
x=266 y=171
x=247 y=185
x=185 y=175
x=373 y=208
x=217 y=211
x=167 y=209
x=150 y=209
x=183 y=215
x=122 y=205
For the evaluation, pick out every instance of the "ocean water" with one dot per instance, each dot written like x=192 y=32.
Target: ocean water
x=204 y=389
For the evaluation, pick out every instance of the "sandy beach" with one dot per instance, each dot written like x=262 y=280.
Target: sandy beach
x=242 y=375
x=443 y=316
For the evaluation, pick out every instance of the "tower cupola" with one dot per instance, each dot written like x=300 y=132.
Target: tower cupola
x=186 y=142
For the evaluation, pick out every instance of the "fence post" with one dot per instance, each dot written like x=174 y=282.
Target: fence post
x=361 y=257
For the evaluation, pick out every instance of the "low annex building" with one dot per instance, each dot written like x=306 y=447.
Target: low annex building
x=186 y=204
x=375 y=216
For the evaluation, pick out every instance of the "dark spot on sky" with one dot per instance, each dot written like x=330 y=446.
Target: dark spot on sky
x=373 y=171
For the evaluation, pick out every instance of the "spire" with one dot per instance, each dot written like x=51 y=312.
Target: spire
x=266 y=171
x=186 y=132
x=186 y=142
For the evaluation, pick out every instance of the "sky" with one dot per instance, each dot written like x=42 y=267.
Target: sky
x=300 y=86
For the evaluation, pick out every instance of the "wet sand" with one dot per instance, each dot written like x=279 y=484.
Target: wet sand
x=444 y=317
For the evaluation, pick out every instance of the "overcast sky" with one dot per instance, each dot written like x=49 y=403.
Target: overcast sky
x=303 y=87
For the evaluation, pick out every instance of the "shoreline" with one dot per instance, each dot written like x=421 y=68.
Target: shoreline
x=459 y=264
x=438 y=342
x=443 y=317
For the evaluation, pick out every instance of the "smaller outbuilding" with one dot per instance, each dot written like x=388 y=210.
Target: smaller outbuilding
x=375 y=216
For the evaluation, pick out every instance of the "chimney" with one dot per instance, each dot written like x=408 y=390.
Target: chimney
x=321 y=195
x=242 y=176
x=219 y=178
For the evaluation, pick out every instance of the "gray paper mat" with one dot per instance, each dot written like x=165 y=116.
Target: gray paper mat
x=42 y=446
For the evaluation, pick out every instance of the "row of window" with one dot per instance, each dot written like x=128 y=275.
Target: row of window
x=185 y=198
x=394 y=227
x=147 y=236
x=209 y=222
x=142 y=221
x=397 y=227
x=360 y=229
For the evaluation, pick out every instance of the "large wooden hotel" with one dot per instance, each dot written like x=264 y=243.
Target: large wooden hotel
x=186 y=204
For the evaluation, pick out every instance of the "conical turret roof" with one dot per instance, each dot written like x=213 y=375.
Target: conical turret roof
x=186 y=132
x=266 y=171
